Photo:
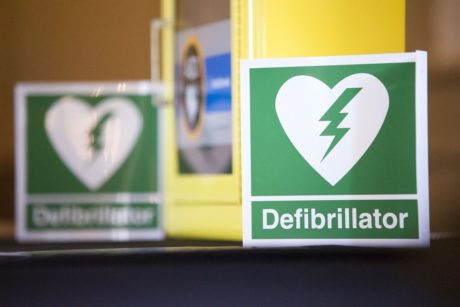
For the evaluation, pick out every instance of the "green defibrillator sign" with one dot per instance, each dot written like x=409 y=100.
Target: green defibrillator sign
x=87 y=165
x=334 y=151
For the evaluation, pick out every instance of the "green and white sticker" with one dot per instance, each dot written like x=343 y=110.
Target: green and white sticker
x=334 y=151
x=87 y=162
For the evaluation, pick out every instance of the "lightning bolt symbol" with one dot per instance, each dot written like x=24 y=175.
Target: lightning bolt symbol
x=335 y=116
x=95 y=134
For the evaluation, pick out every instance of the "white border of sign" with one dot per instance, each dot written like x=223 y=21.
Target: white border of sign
x=422 y=196
x=22 y=90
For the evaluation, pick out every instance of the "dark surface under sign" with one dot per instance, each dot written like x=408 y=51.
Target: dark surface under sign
x=221 y=274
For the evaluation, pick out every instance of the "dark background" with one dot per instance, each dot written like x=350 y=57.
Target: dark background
x=144 y=275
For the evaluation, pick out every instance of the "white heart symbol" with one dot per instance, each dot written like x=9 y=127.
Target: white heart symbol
x=93 y=141
x=332 y=128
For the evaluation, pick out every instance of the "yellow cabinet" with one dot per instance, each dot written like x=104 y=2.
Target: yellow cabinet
x=202 y=45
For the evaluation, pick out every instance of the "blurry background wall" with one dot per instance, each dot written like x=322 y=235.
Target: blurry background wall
x=434 y=25
x=54 y=40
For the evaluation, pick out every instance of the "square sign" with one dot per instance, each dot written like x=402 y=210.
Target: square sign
x=87 y=162
x=334 y=151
